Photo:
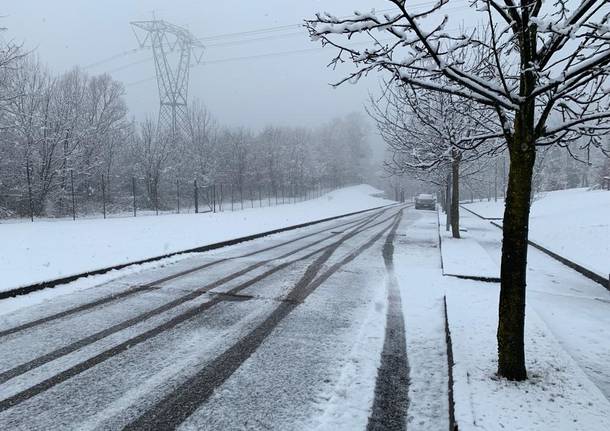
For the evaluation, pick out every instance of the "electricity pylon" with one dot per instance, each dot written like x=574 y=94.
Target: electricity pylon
x=172 y=76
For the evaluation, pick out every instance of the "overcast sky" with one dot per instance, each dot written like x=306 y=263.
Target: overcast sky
x=288 y=90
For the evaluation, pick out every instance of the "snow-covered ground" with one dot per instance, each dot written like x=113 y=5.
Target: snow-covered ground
x=567 y=333
x=41 y=251
x=418 y=270
x=464 y=257
x=557 y=395
x=574 y=223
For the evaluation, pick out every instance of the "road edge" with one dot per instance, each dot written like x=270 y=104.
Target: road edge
x=24 y=290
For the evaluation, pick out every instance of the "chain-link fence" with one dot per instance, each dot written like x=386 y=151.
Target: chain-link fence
x=113 y=196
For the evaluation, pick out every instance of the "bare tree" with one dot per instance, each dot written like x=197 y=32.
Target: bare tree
x=542 y=67
x=202 y=142
x=423 y=130
x=152 y=151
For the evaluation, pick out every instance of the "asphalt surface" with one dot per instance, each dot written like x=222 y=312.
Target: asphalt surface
x=252 y=336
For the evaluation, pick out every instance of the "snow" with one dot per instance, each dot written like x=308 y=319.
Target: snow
x=42 y=251
x=573 y=223
x=567 y=328
x=418 y=270
x=465 y=257
x=558 y=395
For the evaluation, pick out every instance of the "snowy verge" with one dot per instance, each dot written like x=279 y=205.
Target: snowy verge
x=558 y=395
x=465 y=257
x=36 y=252
x=572 y=223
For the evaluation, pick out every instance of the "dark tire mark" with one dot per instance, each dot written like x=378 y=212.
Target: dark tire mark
x=392 y=386
x=101 y=357
x=176 y=407
x=65 y=350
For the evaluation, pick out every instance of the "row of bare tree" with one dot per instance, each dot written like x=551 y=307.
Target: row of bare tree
x=71 y=134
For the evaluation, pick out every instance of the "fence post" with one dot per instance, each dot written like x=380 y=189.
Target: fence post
x=214 y=198
x=260 y=197
x=27 y=167
x=178 y=195
x=220 y=198
x=133 y=193
x=103 y=196
x=73 y=198
x=157 y=197
x=231 y=197
x=196 y=196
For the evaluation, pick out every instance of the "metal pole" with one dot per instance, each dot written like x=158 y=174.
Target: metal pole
x=73 y=198
x=214 y=198
x=133 y=192
x=196 y=196
x=103 y=196
x=221 y=197
x=157 y=197
x=496 y=181
x=29 y=189
x=232 y=197
x=178 y=195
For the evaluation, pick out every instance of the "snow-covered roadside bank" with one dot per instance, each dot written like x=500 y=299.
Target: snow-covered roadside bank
x=572 y=223
x=557 y=396
x=36 y=252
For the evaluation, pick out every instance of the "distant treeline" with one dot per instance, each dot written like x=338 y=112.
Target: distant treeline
x=73 y=132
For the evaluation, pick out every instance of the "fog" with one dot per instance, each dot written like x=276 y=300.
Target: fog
x=288 y=89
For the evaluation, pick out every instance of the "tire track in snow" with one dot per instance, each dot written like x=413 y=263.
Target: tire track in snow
x=155 y=284
x=103 y=356
x=176 y=407
x=392 y=387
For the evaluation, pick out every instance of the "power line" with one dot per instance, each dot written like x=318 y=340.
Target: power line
x=254 y=32
x=246 y=41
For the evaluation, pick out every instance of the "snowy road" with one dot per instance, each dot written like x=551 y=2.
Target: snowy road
x=264 y=335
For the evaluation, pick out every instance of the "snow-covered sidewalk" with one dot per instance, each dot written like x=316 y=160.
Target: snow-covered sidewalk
x=418 y=271
x=35 y=252
x=557 y=395
x=567 y=333
x=466 y=258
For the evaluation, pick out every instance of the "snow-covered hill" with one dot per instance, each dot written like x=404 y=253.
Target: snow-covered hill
x=574 y=223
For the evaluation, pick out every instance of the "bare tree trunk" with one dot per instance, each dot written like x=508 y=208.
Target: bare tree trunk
x=511 y=352
x=455 y=197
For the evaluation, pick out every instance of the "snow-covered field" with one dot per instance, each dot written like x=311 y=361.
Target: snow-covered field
x=41 y=251
x=574 y=223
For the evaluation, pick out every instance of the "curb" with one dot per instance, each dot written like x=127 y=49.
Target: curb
x=463 y=277
x=24 y=290
x=478 y=215
x=573 y=265
x=453 y=426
